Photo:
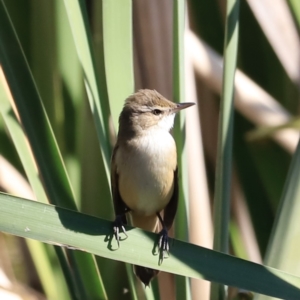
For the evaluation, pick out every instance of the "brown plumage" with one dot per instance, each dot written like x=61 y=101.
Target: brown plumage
x=144 y=168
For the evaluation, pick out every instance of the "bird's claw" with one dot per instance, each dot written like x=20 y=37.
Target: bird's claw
x=163 y=245
x=117 y=227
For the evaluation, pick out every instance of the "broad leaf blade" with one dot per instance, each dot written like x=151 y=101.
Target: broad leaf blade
x=77 y=231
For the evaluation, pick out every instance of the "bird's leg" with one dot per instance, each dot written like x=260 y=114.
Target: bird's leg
x=118 y=226
x=163 y=243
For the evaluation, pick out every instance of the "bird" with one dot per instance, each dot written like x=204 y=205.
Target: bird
x=144 y=172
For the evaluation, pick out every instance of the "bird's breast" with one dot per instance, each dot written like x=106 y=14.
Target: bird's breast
x=145 y=166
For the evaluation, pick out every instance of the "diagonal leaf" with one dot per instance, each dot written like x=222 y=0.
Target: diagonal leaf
x=37 y=250
x=282 y=250
x=42 y=142
x=28 y=103
x=78 y=231
x=263 y=132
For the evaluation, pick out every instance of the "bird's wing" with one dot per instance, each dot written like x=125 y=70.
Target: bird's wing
x=119 y=205
x=171 y=208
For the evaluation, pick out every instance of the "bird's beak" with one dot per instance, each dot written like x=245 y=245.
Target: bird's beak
x=180 y=106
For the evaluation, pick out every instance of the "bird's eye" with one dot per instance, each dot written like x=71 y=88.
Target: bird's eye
x=157 y=112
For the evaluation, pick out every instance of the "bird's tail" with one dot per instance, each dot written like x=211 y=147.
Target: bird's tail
x=145 y=274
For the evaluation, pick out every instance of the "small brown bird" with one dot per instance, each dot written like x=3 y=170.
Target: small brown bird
x=144 y=168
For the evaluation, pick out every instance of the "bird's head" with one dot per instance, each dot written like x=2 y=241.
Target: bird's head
x=147 y=108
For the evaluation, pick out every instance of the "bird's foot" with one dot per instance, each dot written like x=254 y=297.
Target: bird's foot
x=118 y=227
x=163 y=245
